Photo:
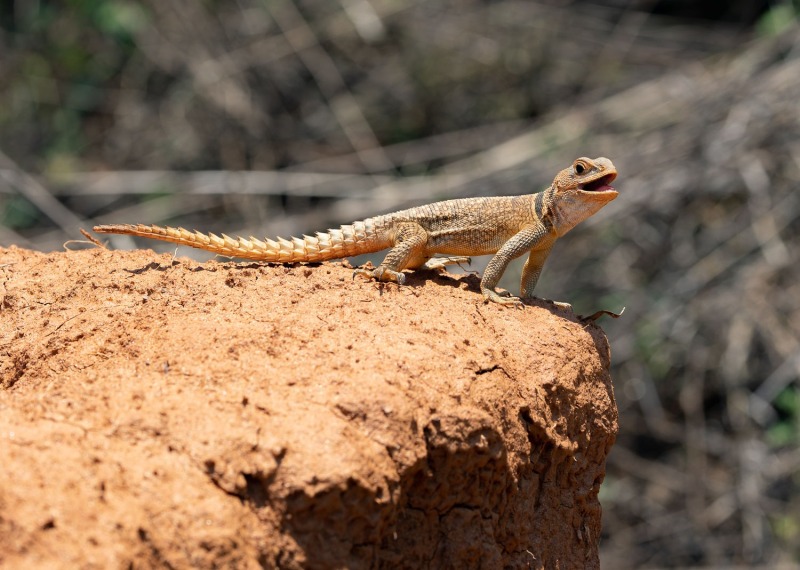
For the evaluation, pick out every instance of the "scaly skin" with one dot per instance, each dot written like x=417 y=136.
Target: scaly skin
x=504 y=226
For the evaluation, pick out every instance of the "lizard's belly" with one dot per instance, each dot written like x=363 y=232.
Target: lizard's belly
x=473 y=242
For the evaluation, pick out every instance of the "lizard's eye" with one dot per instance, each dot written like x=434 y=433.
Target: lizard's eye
x=580 y=168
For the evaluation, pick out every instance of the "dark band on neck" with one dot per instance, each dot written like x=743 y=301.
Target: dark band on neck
x=538 y=205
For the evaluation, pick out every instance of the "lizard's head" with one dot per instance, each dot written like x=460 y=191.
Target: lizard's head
x=590 y=178
x=581 y=190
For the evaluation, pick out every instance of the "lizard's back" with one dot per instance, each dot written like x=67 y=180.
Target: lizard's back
x=468 y=226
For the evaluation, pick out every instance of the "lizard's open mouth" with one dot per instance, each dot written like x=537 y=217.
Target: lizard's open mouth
x=601 y=184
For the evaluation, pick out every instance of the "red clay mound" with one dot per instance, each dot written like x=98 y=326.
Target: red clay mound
x=160 y=413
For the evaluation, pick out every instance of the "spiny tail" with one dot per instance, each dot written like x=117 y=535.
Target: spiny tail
x=360 y=237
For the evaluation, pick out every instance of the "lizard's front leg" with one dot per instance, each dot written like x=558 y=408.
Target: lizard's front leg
x=529 y=238
x=531 y=272
x=410 y=241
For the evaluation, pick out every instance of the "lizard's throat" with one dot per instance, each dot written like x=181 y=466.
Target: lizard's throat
x=573 y=208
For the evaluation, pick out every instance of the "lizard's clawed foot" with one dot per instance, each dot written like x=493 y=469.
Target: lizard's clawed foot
x=504 y=298
x=441 y=263
x=558 y=304
x=381 y=273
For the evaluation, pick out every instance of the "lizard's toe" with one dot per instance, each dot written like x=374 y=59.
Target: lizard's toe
x=381 y=274
x=561 y=305
x=384 y=274
x=365 y=273
x=504 y=298
x=512 y=301
x=441 y=263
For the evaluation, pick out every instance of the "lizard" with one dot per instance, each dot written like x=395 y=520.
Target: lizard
x=506 y=226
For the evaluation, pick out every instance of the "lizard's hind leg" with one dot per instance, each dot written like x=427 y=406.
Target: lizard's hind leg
x=409 y=245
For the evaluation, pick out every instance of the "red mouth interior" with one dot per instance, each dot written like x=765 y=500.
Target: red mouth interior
x=599 y=185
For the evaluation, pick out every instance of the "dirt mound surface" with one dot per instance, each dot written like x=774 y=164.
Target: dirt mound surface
x=165 y=413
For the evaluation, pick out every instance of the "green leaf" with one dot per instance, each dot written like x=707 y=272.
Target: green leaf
x=120 y=18
x=777 y=19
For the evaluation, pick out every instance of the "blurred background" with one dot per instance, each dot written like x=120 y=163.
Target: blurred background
x=283 y=117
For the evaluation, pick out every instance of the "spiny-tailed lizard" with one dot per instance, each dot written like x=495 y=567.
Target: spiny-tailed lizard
x=506 y=226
